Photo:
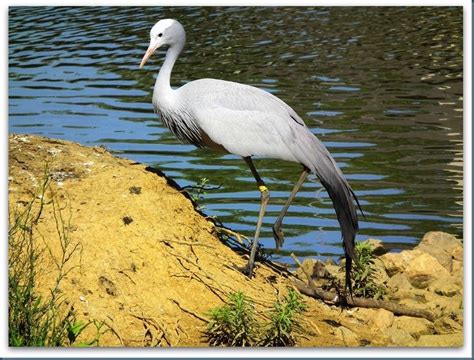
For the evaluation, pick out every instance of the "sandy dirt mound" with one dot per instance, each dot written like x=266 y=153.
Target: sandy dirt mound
x=146 y=262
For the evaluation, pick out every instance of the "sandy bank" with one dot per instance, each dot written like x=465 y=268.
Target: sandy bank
x=149 y=265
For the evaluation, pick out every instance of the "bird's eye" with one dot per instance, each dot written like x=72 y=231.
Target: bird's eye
x=160 y=35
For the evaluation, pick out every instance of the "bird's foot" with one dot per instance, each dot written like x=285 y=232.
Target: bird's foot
x=230 y=233
x=278 y=236
x=342 y=299
x=246 y=270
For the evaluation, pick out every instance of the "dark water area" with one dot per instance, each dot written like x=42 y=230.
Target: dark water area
x=382 y=87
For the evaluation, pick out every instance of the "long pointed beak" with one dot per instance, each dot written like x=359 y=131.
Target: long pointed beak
x=151 y=49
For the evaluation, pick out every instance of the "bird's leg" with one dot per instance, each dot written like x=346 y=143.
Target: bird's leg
x=264 y=197
x=277 y=231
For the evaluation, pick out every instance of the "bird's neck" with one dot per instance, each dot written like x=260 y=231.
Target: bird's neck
x=163 y=84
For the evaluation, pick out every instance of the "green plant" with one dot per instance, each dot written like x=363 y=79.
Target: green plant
x=364 y=284
x=74 y=329
x=98 y=333
x=234 y=323
x=285 y=318
x=199 y=191
x=34 y=320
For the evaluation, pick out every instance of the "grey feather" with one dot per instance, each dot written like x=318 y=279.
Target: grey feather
x=182 y=124
x=314 y=155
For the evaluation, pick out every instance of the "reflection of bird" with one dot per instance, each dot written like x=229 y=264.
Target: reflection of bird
x=247 y=121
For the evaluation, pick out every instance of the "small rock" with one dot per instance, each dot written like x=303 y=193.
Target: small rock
x=446 y=325
x=334 y=270
x=62 y=175
x=315 y=268
x=419 y=306
x=349 y=337
x=441 y=240
x=54 y=151
x=377 y=246
x=363 y=315
x=444 y=286
x=23 y=139
x=108 y=285
x=397 y=262
x=398 y=282
x=412 y=294
x=383 y=319
x=423 y=270
x=136 y=190
x=101 y=149
x=399 y=337
x=415 y=326
x=443 y=303
x=127 y=220
x=319 y=270
x=379 y=273
x=446 y=340
x=307 y=266
x=442 y=246
x=392 y=263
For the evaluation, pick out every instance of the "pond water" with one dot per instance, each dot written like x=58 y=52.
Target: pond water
x=381 y=87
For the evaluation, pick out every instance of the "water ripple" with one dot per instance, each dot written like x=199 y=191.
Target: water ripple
x=384 y=96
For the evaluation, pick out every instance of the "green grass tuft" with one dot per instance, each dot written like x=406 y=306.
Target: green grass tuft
x=285 y=318
x=234 y=323
x=34 y=320
x=363 y=273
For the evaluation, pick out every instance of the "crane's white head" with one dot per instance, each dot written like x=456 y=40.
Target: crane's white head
x=165 y=32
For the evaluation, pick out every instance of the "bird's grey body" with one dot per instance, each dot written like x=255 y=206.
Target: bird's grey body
x=244 y=120
x=247 y=121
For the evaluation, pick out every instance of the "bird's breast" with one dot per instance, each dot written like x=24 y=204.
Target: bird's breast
x=182 y=125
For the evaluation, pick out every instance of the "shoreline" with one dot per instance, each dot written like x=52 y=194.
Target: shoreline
x=147 y=253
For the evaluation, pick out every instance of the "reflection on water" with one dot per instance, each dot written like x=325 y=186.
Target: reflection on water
x=381 y=87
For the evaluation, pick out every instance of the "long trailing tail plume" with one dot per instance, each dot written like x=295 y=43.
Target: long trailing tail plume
x=343 y=198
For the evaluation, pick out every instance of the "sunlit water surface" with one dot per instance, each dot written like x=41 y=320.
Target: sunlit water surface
x=381 y=87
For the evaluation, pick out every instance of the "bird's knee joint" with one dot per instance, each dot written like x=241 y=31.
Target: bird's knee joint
x=265 y=193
